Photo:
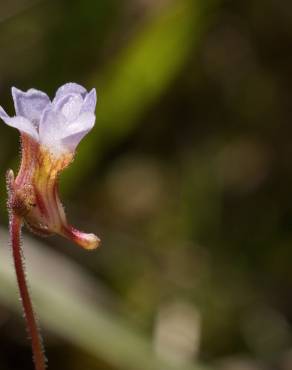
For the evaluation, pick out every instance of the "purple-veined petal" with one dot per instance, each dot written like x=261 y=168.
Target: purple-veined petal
x=75 y=131
x=69 y=88
x=51 y=130
x=84 y=122
x=69 y=106
x=21 y=123
x=59 y=135
x=30 y=104
x=89 y=102
x=71 y=142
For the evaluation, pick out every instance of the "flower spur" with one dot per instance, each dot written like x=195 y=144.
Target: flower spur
x=50 y=133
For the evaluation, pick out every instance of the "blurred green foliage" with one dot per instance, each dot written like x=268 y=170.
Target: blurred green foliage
x=186 y=177
x=137 y=78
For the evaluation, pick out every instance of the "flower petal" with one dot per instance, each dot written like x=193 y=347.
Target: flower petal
x=84 y=122
x=51 y=130
x=59 y=136
x=70 y=106
x=89 y=102
x=69 y=88
x=71 y=142
x=21 y=123
x=30 y=104
x=77 y=130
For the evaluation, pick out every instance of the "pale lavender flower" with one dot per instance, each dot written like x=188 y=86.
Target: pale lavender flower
x=58 y=125
x=50 y=132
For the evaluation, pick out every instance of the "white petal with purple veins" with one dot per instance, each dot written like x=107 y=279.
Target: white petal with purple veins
x=21 y=123
x=70 y=106
x=75 y=131
x=72 y=141
x=84 y=122
x=60 y=125
x=51 y=130
x=69 y=88
x=30 y=104
x=61 y=136
x=89 y=102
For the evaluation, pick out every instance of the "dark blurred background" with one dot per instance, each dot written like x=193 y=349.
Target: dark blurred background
x=186 y=177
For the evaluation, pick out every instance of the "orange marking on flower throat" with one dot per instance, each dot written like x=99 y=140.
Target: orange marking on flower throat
x=35 y=192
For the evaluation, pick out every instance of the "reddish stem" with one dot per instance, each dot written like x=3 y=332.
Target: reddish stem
x=31 y=322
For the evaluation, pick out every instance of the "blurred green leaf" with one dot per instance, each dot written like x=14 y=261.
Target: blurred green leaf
x=136 y=79
x=72 y=314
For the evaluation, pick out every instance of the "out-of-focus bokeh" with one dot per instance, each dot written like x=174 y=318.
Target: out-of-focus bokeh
x=186 y=177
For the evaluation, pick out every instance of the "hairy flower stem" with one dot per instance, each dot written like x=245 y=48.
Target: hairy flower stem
x=31 y=321
x=50 y=133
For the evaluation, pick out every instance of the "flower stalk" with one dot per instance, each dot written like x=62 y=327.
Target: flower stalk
x=15 y=225
x=50 y=133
